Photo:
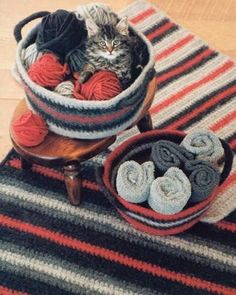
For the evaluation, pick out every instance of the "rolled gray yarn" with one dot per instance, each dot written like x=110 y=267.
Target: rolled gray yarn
x=204 y=178
x=134 y=180
x=166 y=154
x=204 y=144
x=170 y=193
x=143 y=148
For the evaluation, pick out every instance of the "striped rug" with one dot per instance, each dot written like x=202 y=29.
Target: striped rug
x=50 y=247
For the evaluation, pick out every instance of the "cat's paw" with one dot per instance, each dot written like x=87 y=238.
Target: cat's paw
x=84 y=76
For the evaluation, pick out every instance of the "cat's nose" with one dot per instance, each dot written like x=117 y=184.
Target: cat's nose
x=110 y=49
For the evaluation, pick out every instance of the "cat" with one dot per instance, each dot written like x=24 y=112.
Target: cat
x=108 y=48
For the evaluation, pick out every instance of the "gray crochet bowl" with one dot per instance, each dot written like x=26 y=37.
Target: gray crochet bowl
x=84 y=119
x=138 y=148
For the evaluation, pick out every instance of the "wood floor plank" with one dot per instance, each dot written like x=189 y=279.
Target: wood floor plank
x=6 y=111
x=9 y=89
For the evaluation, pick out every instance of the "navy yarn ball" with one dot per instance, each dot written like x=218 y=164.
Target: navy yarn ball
x=60 y=32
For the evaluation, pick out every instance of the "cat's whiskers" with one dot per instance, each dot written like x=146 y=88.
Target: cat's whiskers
x=108 y=55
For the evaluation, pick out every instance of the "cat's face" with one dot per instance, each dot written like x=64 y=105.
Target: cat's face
x=108 y=41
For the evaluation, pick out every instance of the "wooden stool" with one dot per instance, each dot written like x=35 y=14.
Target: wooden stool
x=57 y=150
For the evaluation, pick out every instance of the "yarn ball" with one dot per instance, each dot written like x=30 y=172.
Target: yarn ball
x=29 y=129
x=99 y=12
x=65 y=88
x=76 y=59
x=30 y=55
x=60 y=32
x=47 y=71
x=103 y=85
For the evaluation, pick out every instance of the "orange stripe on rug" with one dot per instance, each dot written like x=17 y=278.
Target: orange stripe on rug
x=226 y=225
x=233 y=143
x=197 y=59
x=141 y=16
x=228 y=182
x=160 y=30
x=204 y=106
x=49 y=172
x=168 y=51
x=7 y=291
x=228 y=118
x=180 y=94
x=114 y=256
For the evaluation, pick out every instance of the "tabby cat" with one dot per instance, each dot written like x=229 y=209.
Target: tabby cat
x=108 y=48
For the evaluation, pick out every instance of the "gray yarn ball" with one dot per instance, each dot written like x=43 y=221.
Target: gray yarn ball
x=30 y=55
x=99 y=12
x=65 y=88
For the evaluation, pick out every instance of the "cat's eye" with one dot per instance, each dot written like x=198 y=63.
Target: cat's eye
x=116 y=42
x=102 y=43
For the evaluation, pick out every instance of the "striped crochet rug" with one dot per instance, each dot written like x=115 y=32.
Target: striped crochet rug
x=50 y=247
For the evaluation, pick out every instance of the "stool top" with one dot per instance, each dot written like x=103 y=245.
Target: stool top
x=57 y=149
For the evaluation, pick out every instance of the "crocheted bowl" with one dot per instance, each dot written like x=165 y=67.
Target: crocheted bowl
x=84 y=119
x=138 y=148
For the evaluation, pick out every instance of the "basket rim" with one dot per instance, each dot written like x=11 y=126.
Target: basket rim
x=156 y=231
x=147 y=212
x=91 y=104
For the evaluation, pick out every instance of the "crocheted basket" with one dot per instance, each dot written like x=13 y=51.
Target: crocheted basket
x=84 y=119
x=144 y=219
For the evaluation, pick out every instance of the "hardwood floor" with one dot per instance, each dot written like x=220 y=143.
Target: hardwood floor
x=212 y=20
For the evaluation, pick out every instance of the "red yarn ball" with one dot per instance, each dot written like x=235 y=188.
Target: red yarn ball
x=103 y=85
x=47 y=71
x=29 y=129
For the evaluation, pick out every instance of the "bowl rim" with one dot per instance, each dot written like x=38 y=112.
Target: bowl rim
x=156 y=231
x=147 y=212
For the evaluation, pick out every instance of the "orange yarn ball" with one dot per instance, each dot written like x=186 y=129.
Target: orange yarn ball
x=47 y=71
x=29 y=129
x=103 y=85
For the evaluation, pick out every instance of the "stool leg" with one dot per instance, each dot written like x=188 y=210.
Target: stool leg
x=73 y=183
x=26 y=165
x=145 y=124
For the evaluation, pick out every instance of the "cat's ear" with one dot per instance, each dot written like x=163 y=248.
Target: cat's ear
x=122 y=26
x=92 y=28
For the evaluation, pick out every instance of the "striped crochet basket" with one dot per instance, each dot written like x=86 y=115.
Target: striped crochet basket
x=84 y=119
x=144 y=219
